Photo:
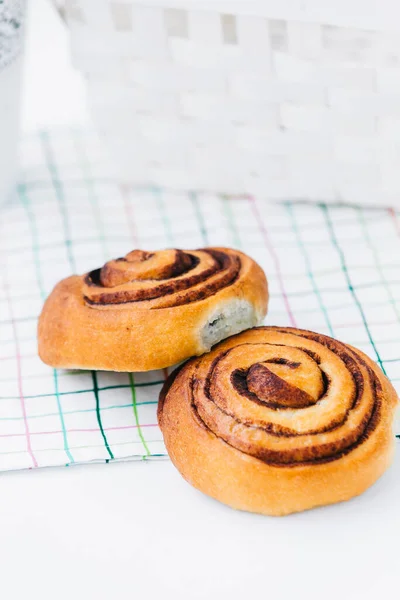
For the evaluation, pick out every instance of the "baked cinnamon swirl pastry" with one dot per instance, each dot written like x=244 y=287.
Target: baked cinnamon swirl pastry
x=150 y=310
x=278 y=420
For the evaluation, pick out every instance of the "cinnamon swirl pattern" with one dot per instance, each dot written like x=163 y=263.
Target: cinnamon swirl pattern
x=162 y=279
x=151 y=309
x=277 y=420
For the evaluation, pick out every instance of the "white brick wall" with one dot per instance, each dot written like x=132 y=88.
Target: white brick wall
x=284 y=108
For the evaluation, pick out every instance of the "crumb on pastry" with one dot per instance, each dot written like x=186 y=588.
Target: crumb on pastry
x=230 y=318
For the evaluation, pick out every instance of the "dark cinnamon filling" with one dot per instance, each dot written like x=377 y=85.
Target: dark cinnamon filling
x=266 y=390
x=190 y=287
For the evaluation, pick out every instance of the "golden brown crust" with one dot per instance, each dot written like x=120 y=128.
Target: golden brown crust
x=279 y=420
x=147 y=310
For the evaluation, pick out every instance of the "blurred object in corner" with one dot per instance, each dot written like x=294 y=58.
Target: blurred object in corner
x=284 y=100
x=12 y=14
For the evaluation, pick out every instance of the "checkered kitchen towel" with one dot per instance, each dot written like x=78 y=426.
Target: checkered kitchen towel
x=331 y=269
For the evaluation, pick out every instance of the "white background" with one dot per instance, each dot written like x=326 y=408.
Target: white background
x=137 y=530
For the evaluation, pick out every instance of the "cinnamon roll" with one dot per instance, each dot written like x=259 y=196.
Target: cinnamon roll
x=278 y=420
x=150 y=310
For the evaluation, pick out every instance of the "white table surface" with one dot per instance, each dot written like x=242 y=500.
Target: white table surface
x=137 y=530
